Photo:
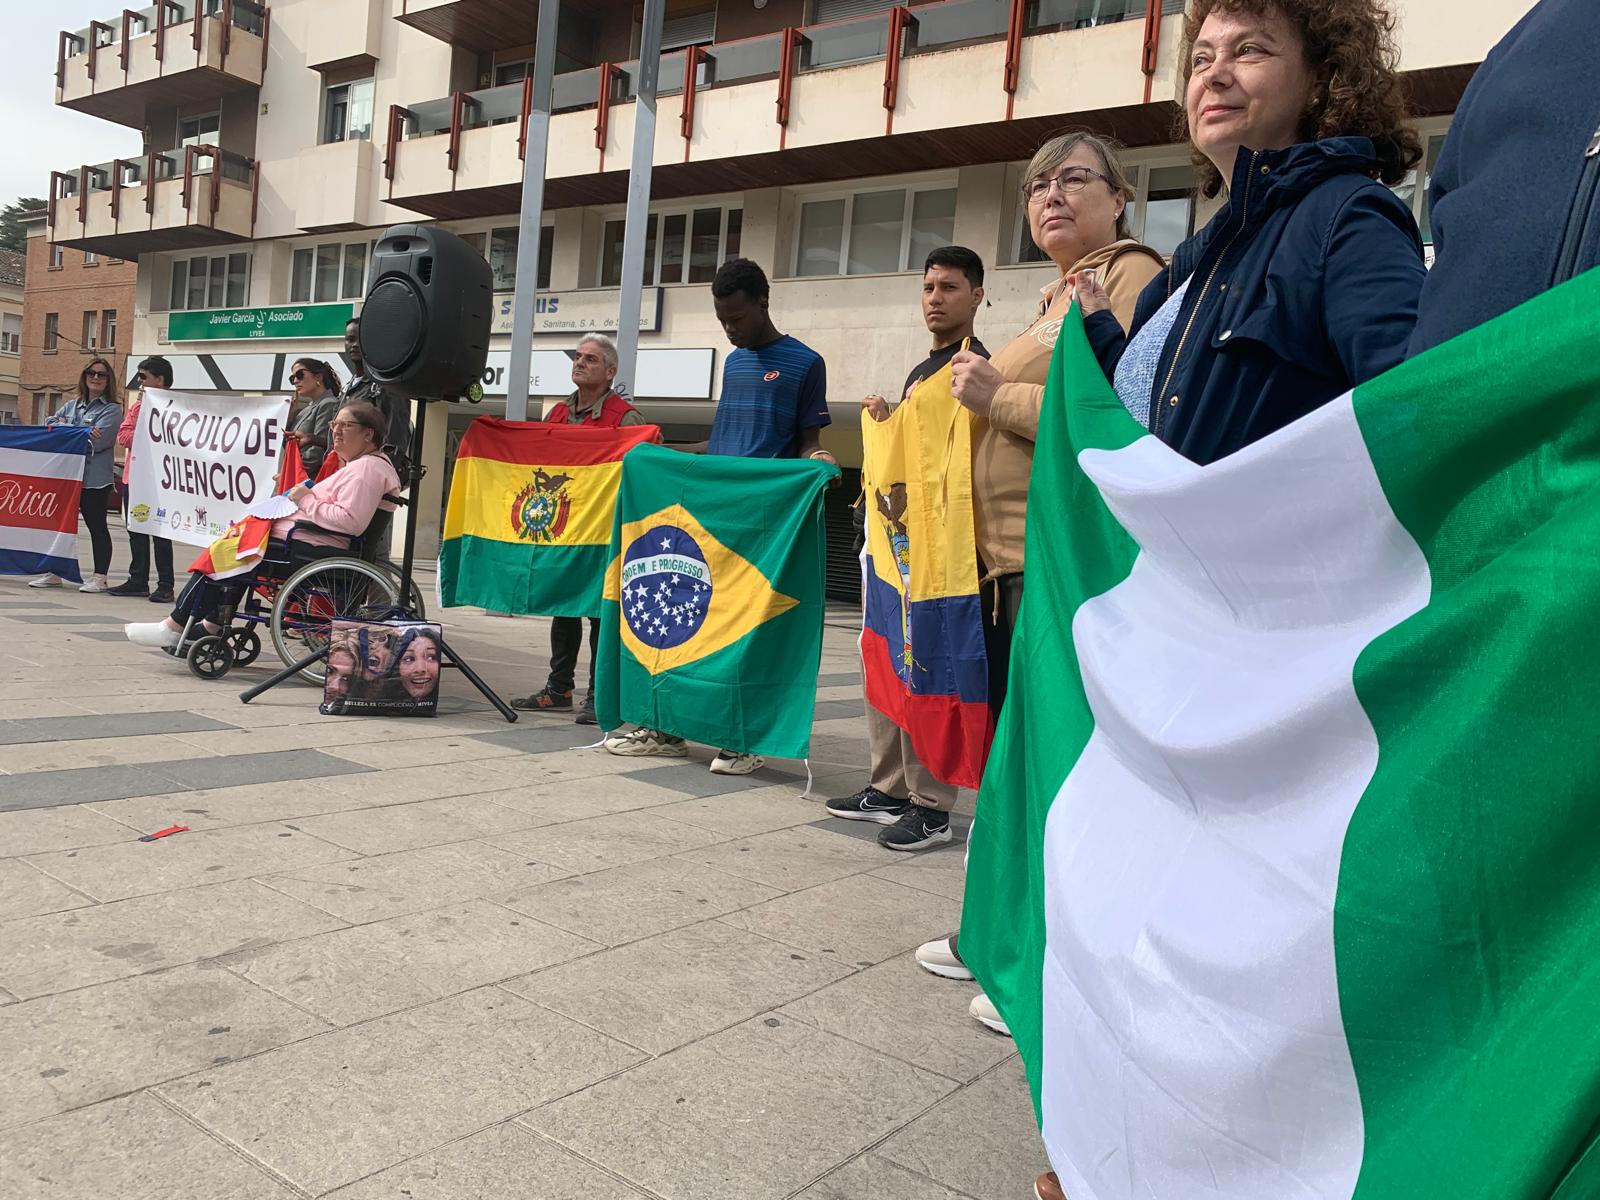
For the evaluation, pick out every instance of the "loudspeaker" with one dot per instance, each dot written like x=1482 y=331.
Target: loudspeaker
x=425 y=324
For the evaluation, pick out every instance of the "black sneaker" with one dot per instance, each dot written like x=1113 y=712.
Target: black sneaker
x=917 y=829
x=869 y=804
x=129 y=589
x=162 y=594
x=544 y=700
x=586 y=713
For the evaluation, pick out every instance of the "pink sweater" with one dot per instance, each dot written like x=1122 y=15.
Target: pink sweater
x=345 y=501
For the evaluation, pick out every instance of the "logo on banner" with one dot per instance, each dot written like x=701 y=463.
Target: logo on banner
x=666 y=587
x=541 y=510
x=140 y=512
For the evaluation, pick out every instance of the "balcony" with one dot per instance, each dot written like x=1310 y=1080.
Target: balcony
x=177 y=200
x=474 y=24
x=176 y=52
x=962 y=81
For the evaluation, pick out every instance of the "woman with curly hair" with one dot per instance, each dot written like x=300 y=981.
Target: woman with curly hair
x=1306 y=282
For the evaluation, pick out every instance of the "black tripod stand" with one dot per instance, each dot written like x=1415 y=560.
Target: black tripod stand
x=402 y=610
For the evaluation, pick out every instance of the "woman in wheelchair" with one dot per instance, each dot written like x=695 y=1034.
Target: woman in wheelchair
x=340 y=508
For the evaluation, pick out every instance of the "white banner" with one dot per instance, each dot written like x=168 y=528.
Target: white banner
x=199 y=461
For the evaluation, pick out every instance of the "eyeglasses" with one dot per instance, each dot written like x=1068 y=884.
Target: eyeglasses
x=97 y=374
x=299 y=375
x=1071 y=181
x=344 y=424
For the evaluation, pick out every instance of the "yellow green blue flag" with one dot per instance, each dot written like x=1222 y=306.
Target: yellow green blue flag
x=712 y=622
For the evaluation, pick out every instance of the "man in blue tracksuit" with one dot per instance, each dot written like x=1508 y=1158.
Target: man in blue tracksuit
x=1516 y=192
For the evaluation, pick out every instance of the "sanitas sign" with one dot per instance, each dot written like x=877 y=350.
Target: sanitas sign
x=578 y=312
x=298 y=321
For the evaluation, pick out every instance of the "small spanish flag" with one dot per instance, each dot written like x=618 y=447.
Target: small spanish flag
x=528 y=526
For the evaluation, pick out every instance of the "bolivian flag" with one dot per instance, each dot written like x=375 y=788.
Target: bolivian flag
x=530 y=515
x=922 y=630
x=712 y=627
x=1286 y=873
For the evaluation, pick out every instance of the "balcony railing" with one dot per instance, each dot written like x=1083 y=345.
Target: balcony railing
x=127 y=198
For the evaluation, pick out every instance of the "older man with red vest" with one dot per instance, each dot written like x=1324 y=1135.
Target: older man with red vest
x=596 y=403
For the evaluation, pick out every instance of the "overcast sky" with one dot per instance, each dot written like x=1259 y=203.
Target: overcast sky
x=37 y=136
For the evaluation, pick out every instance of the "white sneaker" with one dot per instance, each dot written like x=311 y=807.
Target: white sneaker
x=728 y=762
x=95 y=583
x=47 y=580
x=983 y=1011
x=642 y=742
x=938 y=957
x=155 y=634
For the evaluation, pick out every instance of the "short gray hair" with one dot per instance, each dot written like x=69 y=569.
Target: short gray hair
x=608 y=348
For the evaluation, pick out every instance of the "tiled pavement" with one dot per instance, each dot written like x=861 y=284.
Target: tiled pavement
x=456 y=958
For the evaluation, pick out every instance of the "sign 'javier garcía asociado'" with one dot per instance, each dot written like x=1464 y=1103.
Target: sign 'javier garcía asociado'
x=227 y=324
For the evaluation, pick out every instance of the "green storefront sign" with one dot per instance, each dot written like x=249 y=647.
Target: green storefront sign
x=229 y=324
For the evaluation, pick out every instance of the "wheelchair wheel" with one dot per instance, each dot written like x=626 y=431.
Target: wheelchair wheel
x=414 y=603
x=310 y=599
x=246 y=646
x=211 y=657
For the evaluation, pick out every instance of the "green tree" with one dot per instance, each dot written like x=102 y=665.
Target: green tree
x=12 y=235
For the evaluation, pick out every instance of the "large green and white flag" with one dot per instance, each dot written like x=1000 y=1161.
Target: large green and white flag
x=1286 y=870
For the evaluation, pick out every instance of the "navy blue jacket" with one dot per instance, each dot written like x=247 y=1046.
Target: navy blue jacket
x=1516 y=192
x=1303 y=286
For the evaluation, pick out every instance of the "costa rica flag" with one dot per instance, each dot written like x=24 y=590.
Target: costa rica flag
x=41 y=478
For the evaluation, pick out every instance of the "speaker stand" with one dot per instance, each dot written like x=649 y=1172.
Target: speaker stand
x=403 y=610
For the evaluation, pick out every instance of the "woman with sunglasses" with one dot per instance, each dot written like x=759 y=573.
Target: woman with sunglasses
x=95 y=407
x=316 y=400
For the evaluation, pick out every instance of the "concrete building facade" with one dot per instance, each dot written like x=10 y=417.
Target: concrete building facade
x=79 y=303
x=13 y=280
x=833 y=141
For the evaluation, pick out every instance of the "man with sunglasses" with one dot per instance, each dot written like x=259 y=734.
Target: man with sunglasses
x=153 y=372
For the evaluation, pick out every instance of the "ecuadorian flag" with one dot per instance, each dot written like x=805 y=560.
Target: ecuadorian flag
x=922 y=630
x=528 y=526
x=712 y=627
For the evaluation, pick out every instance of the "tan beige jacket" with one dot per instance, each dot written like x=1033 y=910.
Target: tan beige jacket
x=1002 y=446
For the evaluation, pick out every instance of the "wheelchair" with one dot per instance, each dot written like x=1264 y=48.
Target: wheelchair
x=297 y=591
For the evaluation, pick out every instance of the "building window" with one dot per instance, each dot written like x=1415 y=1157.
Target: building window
x=685 y=246
x=330 y=272
x=108 y=329
x=876 y=232
x=91 y=331
x=91 y=259
x=499 y=246
x=347 y=112
x=57 y=257
x=214 y=281
x=52 y=332
x=10 y=334
x=1413 y=189
x=1161 y=211
x=203 y=130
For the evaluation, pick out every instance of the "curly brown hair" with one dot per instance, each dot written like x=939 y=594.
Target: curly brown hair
x=1351 y=43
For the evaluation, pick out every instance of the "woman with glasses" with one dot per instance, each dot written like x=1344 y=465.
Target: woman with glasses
x=1306 y=283
x=316 y=400
x=1076 y=196
x=341 y=506
x=95 y=407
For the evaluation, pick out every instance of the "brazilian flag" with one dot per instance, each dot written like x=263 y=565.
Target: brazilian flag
x=712 y=623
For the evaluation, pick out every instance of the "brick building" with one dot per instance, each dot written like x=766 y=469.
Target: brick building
x=12 y=270
x=74 y=303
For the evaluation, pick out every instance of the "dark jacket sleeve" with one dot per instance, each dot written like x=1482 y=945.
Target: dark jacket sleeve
x=1371 y=282
x=1107 y=339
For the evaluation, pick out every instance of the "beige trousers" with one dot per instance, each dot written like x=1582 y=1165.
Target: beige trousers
x=896 y=770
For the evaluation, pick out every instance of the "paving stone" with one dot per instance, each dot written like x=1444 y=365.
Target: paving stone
x=694 y=981
x=44 y=954
x=410 y=826
x=331 y=1110
x=282 y=766
x=872 y=1007
x=391 y=885
x=857 y=921
x=82 y=1046
x=221 y=808
x=692 y=779
x=753 y=1113
x=416 y=783
x=186 y=860
x=790 y=859
x=637 y=901
x=743 y=814
x=352 y=975
x=36 y=831
x=872 y=1178
x=146 y=750
x=50 y=789
x=540 y=737
x=421 y=752
x=66 y=729
x=840 y=679
x=26 y=891
x=992 y=1121
x=65 y=619
x=578 y=799
x=497 y=1164
x=135 y=1148
x=597 y=843
x=942 y=872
